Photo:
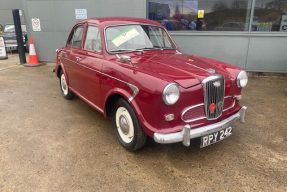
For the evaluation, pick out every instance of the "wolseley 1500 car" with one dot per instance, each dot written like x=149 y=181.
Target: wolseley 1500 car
x=131 y=70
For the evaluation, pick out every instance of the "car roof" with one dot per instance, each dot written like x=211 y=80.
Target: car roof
x=106 y=21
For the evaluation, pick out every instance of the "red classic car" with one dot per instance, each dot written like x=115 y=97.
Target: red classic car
x=131 y=70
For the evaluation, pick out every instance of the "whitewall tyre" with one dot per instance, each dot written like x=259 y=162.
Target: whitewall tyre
x=66 y=92
x=128 y=129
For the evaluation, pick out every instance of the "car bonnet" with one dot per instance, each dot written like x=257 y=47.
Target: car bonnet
x=184 y=69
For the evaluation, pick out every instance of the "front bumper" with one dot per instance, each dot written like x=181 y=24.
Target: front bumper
x=186 y=134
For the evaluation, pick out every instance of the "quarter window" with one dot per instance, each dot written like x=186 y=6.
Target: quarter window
x=77 y=37
x=93 y=39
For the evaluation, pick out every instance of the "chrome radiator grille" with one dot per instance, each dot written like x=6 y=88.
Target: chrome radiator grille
x=213 y=91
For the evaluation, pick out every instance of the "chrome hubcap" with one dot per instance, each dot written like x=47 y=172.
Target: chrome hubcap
x=64 y=84
x=124 y=124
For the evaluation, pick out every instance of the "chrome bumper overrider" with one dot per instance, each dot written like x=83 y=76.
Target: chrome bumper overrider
x=186 y=134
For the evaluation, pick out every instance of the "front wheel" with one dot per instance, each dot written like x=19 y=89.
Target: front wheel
x=67 y=93
x=128 y=129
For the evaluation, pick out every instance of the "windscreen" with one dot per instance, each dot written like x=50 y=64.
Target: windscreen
x=137 y=37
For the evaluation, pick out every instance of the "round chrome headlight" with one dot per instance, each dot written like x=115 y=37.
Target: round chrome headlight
x=171 y=94
x=242 y=79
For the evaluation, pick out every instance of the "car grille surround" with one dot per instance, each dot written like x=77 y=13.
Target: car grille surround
x=197 y=112
x=193 y=113
x=229 y=102
x=213 y=94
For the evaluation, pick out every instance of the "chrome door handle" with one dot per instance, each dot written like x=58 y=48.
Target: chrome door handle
x=78 y=58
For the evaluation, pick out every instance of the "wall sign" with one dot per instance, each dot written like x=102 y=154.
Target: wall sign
x=200 y=14
x=36 y=25
x=283 y=25
x=81 y=13
x=3 y=54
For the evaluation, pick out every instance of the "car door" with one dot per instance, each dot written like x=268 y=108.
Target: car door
x=69 y=56
x=90 y=60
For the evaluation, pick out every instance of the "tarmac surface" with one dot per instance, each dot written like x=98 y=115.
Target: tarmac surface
x=50 y=144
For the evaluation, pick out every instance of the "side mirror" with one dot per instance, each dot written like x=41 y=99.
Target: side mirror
x=125 y=59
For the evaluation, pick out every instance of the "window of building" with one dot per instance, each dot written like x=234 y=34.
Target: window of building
x=221 y=15
x=270 y=15
x=93 y=39
x=77 y=37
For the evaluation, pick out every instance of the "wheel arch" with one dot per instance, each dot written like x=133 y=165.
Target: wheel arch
x=58 y=70
x=111 y=100
x=62 y=68
x=114 y=96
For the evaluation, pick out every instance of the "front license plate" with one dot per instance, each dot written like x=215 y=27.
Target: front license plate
x=215 y=137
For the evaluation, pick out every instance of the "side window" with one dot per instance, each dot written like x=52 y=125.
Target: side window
x=93 y=39
x=77 y=37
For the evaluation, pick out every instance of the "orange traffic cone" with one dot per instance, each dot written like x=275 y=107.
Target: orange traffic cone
x=33 y=61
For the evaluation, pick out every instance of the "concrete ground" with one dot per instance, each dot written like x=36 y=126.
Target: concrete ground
x=50 y=144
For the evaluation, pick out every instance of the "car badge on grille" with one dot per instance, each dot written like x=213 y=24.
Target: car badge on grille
x=211 y=71
x=217 y=83
x=220 y=104
x=212 y=107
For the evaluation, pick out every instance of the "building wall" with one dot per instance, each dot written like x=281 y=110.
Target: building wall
x=250 y=51
x=57 y=17
x=6 y=7
x=262 y=52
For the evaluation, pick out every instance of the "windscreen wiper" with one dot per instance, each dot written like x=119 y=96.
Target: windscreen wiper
x=167 y=48
x=148 y=48
x=120 y=50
